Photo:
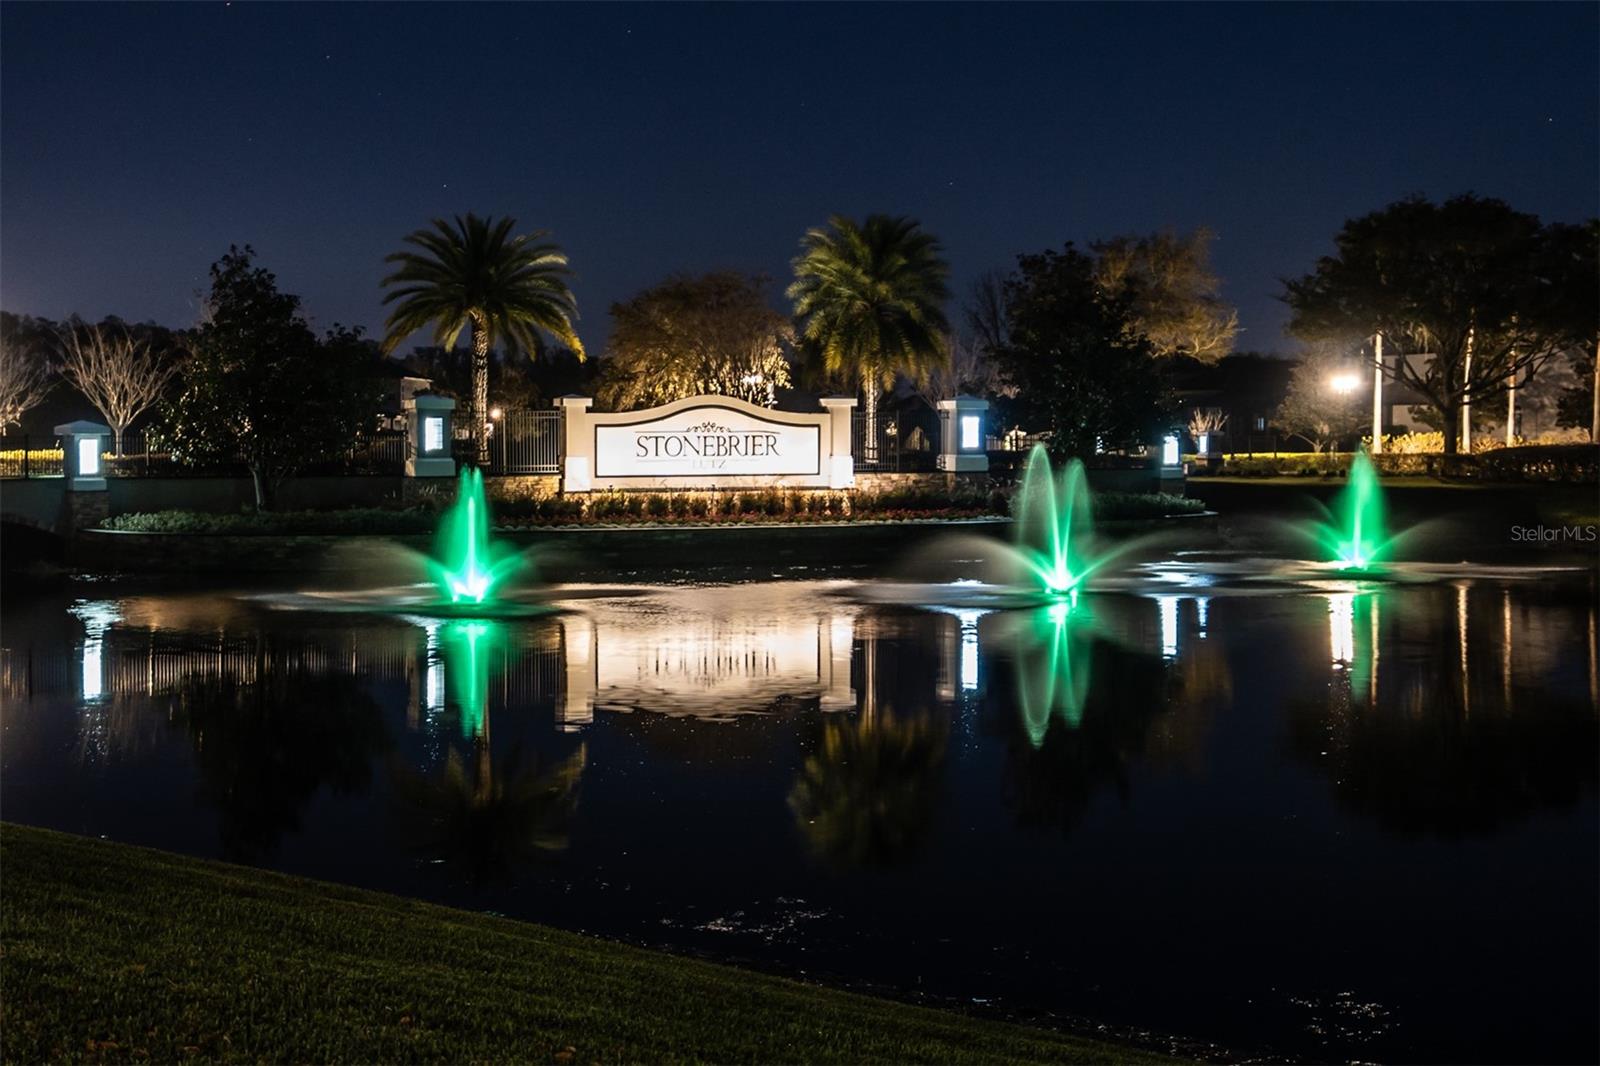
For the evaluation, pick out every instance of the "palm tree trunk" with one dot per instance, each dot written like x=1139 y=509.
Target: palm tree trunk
x=869 y=418
x=480 y=391
x=1594 y=424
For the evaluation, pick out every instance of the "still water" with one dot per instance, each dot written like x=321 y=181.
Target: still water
x=1328 y=822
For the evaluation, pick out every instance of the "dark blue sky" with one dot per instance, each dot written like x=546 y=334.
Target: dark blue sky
x=137 y=142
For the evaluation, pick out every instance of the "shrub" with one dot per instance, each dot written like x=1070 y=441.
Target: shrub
x=278 y=523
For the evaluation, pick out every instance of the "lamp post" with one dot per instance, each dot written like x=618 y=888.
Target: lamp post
x=1377 y=394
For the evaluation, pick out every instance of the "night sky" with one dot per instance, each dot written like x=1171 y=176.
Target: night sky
x=138 y=142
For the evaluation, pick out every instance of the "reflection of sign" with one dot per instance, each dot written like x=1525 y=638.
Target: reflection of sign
x=706 y=440
x=707 y=652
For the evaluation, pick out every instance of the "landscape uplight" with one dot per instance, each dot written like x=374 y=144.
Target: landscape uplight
x=1344 y=384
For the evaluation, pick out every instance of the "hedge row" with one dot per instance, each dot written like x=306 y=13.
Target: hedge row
x=636 y=508
x=1566 y=463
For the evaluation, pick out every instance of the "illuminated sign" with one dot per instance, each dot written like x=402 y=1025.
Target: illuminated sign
x=969 y=432
x=433 y=434
x=707 y=440
x=89 y=456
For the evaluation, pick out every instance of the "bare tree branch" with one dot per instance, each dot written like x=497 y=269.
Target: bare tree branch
x=117 y=372
x=24 y=382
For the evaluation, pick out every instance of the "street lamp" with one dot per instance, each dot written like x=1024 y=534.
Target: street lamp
x=1344 y=384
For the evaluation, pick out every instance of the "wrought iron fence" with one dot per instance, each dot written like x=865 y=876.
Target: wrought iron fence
x=25 y=455
x=896 y=443
x=521 y=441
x=148 y=453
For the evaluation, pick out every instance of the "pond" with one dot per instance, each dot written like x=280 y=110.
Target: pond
x=1324 y=820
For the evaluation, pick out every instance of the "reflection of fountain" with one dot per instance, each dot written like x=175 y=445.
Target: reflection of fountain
x=1052 y=649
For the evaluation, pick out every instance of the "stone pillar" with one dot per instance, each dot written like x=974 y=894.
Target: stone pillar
x=429 y=464
x=963 y=435
x=841 y=464
x=577 y=444
x=86 y=502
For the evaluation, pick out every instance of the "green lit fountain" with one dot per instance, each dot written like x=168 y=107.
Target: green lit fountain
x=1054 y=550
x=1354 y=534
x=468 y=565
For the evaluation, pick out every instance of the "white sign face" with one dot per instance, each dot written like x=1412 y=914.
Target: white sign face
x=708 y=441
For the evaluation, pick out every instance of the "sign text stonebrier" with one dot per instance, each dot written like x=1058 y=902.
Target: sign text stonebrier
x=705 y=442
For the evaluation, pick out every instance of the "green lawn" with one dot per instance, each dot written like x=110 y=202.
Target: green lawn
x=122 y=954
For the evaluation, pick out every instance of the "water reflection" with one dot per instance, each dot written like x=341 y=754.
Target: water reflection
x=1452 y=740
x=654 y=763
x=1050 y=661
x=262 y=749
x=868 y=790
x=485 y=820
x=1151 y=698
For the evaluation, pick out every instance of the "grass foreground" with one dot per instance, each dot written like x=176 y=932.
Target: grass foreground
x=114 y=953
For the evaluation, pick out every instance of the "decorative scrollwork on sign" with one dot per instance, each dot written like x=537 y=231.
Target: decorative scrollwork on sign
x=707 y=427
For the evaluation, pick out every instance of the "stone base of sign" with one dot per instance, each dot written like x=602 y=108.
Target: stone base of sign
x=868 y=484
x=514 y=488
x=83 y=510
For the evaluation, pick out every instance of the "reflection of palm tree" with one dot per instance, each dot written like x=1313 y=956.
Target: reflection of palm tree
x=867 y=795
x=263 y=749
x=488 y=820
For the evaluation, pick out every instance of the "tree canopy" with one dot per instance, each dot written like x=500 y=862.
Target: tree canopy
x=475 y=273
x=869 y=298
x=1078 y=367
x=1174 y=296
x=1315 y=410
x=260 y=387
x=686 y=336
x=1484 y=291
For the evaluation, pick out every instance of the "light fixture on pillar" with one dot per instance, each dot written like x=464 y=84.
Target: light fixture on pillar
x=428 y=436
x=81 y=445
x=961 y=435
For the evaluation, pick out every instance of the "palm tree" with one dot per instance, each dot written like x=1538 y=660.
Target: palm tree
x=870 y=300
x=475 y=273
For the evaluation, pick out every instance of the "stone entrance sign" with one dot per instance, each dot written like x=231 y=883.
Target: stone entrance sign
x=706 y=442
